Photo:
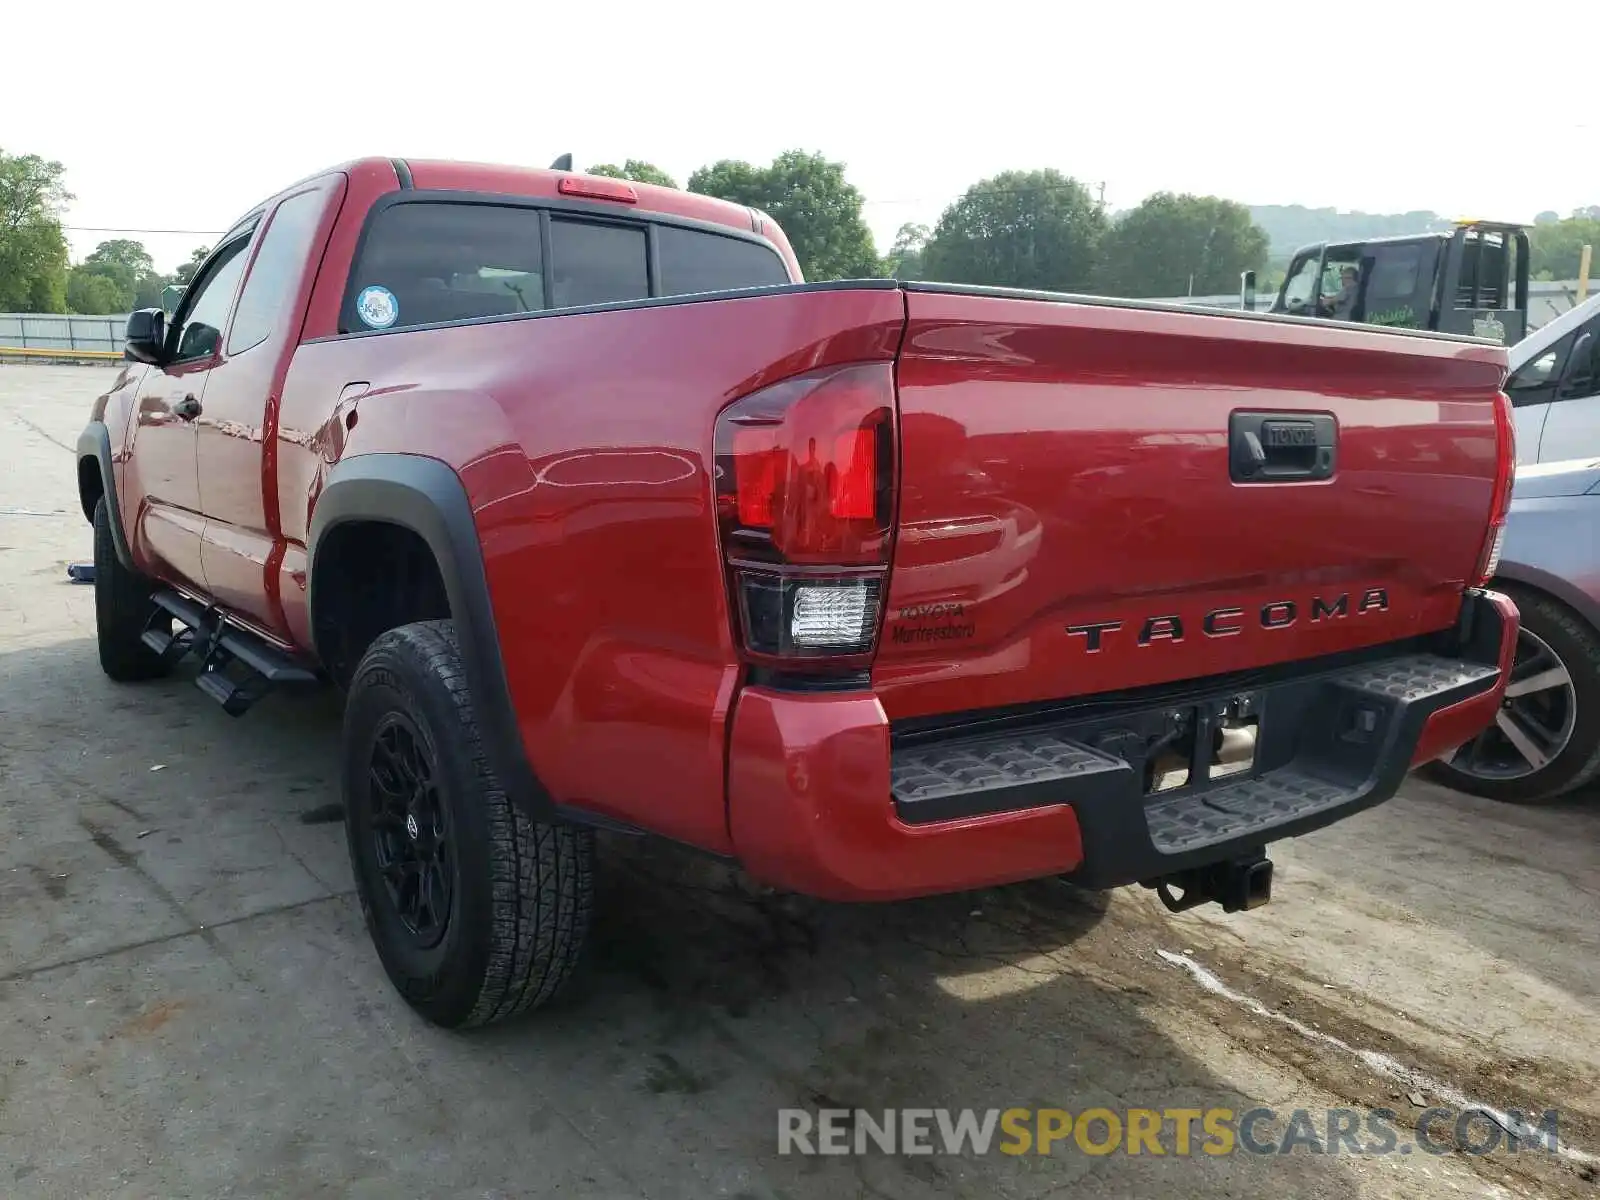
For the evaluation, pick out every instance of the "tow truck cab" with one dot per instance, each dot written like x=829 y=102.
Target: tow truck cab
x=1473 y=280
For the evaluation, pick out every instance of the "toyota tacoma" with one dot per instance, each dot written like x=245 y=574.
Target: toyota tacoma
x=601 y=517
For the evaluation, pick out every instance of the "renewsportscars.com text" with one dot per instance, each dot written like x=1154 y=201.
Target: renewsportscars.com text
x=1161 y=1131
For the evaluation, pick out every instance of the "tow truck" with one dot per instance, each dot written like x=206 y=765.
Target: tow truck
x=1471 y=280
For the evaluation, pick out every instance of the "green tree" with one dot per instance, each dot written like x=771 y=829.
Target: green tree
x=185 y=271
x=129 y=277
x=1029 y=229
x=1555 y=248
x=89 y=291
x=33 y=249
x=818 y=208
x=1179 y=245
x=635 y=169
x=904 y=260
x=147 y=292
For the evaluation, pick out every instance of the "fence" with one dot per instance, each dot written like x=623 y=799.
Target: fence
x=55 y=336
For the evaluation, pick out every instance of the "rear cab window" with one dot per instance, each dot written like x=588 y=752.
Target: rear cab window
x=426 y=259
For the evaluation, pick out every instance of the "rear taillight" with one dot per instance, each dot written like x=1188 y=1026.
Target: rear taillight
x=805 y=498
x=1505 y=467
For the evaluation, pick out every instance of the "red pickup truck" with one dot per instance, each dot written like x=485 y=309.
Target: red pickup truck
x=602 y=518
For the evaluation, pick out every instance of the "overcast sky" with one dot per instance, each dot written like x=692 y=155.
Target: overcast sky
x=182 y=116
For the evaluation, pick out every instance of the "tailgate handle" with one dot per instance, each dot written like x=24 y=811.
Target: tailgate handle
x=1281 y=447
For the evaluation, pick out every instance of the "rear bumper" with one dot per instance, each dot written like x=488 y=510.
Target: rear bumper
x=825 y=800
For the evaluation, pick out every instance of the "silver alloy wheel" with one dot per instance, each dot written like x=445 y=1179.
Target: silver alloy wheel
x=1535 y=721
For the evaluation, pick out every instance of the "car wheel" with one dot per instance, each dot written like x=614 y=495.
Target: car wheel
x=477 y=912
x=122 y=609
x=1546 y=737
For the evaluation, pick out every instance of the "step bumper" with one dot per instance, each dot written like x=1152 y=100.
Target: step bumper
x=824 y=799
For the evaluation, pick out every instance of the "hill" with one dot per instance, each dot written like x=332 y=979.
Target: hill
x=1290 y=226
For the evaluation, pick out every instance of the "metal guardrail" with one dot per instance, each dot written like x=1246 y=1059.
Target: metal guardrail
x=58 y=331
x=17 y=353
x=56 y=337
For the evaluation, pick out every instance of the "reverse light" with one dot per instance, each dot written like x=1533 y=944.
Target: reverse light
x=1505 y=469
x=785 y=618
x=597 y=187
x=805 y=493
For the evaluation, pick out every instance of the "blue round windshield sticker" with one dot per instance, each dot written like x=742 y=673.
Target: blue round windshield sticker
x=377 y=307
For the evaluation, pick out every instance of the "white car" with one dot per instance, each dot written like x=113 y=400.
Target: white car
x=1555 y=387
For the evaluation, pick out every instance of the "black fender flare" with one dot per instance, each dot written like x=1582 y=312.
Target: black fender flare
x=95 y=442
x=1556 y=587
x=425 y=496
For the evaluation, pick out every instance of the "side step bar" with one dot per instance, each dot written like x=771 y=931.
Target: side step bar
x=257 y=666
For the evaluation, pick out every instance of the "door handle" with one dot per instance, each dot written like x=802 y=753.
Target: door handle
x=1281 y=447
x=188 y=408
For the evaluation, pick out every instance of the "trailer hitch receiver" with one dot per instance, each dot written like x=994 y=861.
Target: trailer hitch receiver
x=1238 y=884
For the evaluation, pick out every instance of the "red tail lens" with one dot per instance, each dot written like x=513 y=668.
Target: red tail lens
x=852 y=489
x=1505 y=470
x=762 y=471
x=806 y=468
x=758 y=468
x=805 y=498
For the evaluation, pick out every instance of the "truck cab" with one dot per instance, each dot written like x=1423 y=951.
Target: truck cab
x=1473 y=281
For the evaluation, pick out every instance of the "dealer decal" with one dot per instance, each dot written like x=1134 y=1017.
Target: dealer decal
x=924 y=623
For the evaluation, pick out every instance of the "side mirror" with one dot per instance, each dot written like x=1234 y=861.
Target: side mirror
x=1247 y=291
x=1587 y=352
x=1582 y=372
x=146 y=338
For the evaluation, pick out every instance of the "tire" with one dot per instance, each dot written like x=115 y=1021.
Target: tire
x=122 y=609
x=488 y=916
x=1561 y=722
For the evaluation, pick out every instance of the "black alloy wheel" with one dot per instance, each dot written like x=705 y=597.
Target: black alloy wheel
x=1545 y=738
x=411 y=830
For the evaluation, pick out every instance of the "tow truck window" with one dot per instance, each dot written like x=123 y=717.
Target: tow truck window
x=1301 y=283
x=1391 y=293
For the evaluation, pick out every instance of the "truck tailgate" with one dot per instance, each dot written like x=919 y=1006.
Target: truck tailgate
x=1097 y=496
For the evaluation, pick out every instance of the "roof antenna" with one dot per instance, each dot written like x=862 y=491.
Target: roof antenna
x=564 y=163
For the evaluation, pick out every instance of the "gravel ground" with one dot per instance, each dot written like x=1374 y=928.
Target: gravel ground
x=189 y=1005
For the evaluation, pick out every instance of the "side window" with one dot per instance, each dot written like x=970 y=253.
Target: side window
x=594 y=263
x=692 y=261
x=284 y=250
x=205 y=311
x=1534 y=382
x=428 y=261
